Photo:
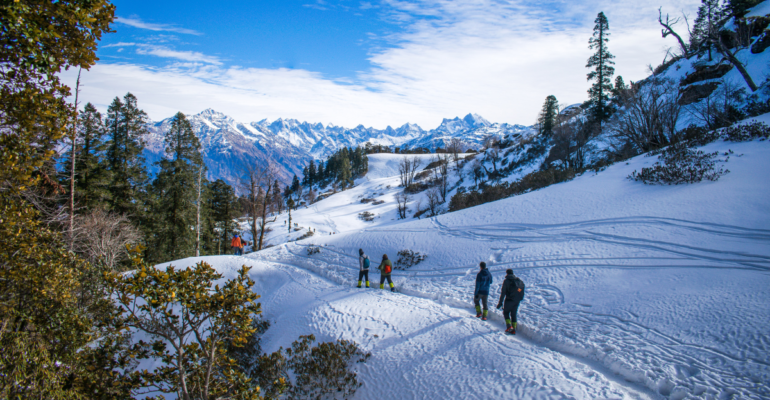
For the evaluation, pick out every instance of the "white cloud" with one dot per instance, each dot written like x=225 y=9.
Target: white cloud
x=165 y=52
x=498 y=59
x=137 y=23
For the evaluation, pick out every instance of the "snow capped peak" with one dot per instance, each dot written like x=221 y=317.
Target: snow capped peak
x=476 y=120
x=210 y=112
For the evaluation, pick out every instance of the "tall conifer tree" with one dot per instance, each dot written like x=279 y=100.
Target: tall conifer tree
x=547 y=119
x=126 y=125
x=175 y=192
x=602 y=63
x=92 y=175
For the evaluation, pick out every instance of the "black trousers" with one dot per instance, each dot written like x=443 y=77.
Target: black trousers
x=483 y=298
x=383 y=277
x=510 y=308
x=362 y=274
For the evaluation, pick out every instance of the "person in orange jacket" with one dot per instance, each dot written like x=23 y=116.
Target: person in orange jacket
x=236 y=244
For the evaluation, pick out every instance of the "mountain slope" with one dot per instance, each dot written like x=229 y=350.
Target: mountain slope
x=648 y=291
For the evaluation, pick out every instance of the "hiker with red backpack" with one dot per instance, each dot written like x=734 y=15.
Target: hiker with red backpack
x=511 y=295
x=386 y=267
x=363 y=267
x=236 y=245
x=483 y=281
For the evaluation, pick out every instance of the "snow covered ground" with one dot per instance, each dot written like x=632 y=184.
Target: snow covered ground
x=634 y=291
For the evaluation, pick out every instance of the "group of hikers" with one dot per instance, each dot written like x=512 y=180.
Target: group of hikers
x=237 y=244
x=511 y=294
x=385 y=267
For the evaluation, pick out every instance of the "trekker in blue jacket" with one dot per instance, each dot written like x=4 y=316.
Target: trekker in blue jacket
x=483 y=281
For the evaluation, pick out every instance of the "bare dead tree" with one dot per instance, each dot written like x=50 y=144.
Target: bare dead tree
x=401 y=200
x=198 y=213
x=455 y=147
x=715 y=110
x=407 y=169
x=478 y=171
x=258 y=185
x=668 y=29
x=740 y=40
x=104 y=237
x=433 y=195
x=441 y=175
x=73 y=156
x=651 y=114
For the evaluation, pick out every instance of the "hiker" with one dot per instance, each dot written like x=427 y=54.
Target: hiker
x=386 y=267
x=511 y=295
x=363 y=267
x=236 y=244
x=483 y=281
x=244 y=243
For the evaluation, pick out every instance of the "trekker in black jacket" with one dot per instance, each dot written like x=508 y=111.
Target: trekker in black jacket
x=483 y=281
x=511 y=295
x=363 y=267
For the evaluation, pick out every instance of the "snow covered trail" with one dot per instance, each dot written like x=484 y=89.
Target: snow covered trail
x=421 y=349
x=632 y=290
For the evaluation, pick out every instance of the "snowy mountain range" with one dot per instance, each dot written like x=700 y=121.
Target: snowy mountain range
x=231 y=146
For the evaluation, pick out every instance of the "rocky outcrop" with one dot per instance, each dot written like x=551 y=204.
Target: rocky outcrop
x=706 y=73
x=695 y=93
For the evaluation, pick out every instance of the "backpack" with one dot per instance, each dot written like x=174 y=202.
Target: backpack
x=366 y=262
x=387 y=269
x=519 y=285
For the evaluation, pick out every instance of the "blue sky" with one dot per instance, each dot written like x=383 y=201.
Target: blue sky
x=376 y=62
x=333 y=39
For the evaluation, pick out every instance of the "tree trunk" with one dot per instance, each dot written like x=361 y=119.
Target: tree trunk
x=72 y=168
x=198 y=215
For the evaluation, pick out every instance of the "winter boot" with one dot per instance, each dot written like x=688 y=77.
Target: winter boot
x=359 y=284
x=367 y=284
x=392 y=288
x=478 y=311
x=484 y=315
x=513 y=329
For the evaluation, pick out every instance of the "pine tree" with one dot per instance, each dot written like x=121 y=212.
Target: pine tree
x=548 y=114
x=320 y=173
x=295 y=185
x=602 y=63
x=739 y=8
x=175 y=192
x=92 y=175
x=126 y=125
x=311 y=173
x=223 y=209
x=706 y=25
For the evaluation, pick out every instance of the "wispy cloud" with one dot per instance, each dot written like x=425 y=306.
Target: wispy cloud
x=496 y=58
x=137 y=23
x=165 y=52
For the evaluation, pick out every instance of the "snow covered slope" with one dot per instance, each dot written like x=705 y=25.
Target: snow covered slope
x=633 y=291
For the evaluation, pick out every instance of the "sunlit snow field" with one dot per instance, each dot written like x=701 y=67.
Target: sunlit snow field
x=633 y=291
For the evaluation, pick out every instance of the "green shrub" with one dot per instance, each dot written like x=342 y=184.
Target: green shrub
x=678 y=165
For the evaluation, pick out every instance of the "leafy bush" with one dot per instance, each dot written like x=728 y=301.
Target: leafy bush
x=366 y=216
x=366 y=200
x=323 y=371
x=307 y=234
x=313 y=250
x=181 y=307
x=680 y=165
x=378 y=202
x=746 y=132
x=320 y=372
x=408 y=258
